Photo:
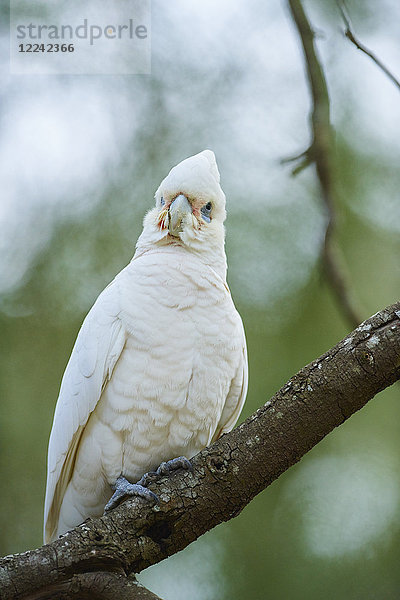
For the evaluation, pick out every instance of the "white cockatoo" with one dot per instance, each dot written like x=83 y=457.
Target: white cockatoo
x=159 y=367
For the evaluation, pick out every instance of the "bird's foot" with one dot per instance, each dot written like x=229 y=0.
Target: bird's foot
x=123 y=488
x=165 y=469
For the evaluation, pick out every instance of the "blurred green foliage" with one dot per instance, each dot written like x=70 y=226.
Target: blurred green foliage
x=265 y=549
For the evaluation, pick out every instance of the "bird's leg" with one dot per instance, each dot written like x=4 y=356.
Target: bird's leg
x=165 y=469
x=124 y=488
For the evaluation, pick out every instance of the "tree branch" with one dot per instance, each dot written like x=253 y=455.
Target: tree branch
x=349 y=33
x=95 y=585
x=320 y=153
x=225 y=477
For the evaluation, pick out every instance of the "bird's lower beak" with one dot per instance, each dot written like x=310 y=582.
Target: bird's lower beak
x=177 y=211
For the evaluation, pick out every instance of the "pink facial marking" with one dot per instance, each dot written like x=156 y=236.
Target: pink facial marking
x=196 y=212
x=161 y=219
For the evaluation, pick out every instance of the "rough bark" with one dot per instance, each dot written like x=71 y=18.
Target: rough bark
x=226 y=476
x=95 y=585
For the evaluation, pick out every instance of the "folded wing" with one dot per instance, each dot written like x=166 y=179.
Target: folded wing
x=98 y=346
x=236 y=396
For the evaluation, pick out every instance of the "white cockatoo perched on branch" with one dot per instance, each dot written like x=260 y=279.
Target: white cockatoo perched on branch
x=159 y=368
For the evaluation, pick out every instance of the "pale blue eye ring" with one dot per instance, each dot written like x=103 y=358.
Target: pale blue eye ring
x=162 y=201
x=206 y=212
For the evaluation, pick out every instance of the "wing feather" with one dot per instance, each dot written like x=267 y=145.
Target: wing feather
x=236 y=396
x=97 y=348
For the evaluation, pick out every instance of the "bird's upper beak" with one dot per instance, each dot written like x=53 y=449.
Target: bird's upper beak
x=177 y=211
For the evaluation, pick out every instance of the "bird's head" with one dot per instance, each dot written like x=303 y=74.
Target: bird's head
x=190 y=208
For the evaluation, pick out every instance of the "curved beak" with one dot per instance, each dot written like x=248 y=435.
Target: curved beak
x=177 y=211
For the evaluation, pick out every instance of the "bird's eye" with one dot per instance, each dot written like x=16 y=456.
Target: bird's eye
x=162 y=201
x=206 y=212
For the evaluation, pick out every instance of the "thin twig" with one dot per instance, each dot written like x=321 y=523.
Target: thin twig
x=349 y=33
x=321 y=154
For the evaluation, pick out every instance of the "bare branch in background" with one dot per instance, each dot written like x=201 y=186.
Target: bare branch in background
x=99 y=555
x=321 y=153
x=349 y=33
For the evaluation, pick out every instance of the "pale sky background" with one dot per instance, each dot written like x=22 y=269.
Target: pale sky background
x=60 y=136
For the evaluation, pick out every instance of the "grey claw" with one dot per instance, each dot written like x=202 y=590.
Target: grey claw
x=165 y=468
x=172 y=465
x=123 y=488
x=147 y=478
